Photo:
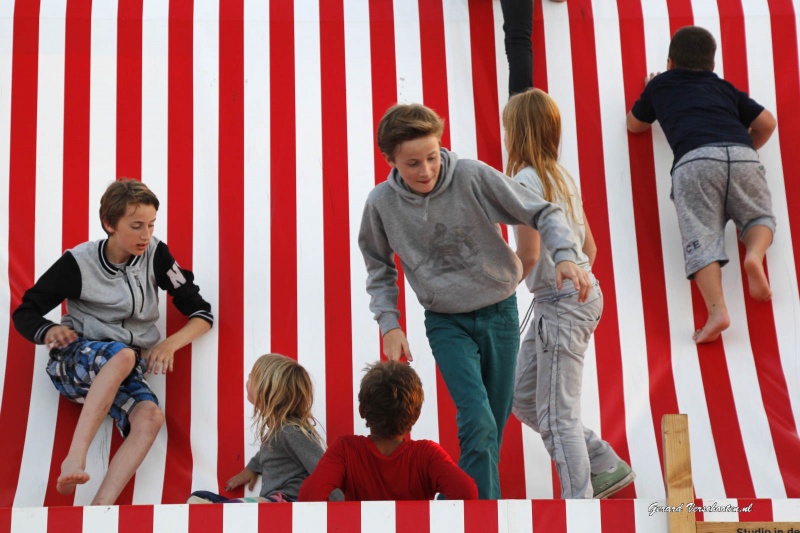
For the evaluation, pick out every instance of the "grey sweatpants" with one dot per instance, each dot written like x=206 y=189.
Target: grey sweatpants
x=547 y=388
x=711 y=185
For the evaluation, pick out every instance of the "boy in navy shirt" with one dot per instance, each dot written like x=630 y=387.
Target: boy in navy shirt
x=714 y=131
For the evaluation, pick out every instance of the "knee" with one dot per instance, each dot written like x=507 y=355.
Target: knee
x=127 y=358
x=147 y=416
x=525 y=411
x=478 y=432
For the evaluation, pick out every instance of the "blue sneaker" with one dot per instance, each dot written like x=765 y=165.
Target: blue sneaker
x=617 y=478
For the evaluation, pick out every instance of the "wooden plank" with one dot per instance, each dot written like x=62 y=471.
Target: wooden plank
x=748 y=527
x=678 y=472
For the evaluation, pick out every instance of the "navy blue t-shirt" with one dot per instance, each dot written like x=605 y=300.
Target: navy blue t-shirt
x=695 y=108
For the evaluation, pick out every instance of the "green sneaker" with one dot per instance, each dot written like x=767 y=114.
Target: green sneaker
x=607 y=483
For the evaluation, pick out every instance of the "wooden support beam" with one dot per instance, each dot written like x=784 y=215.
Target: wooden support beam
x=678 y=472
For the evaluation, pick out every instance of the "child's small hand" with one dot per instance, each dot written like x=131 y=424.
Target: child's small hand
x=648 y=79
x=59 y=337
x=245 y=476
x=160 y=357
x=578 y=276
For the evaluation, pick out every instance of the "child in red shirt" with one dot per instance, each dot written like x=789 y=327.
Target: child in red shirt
x=385 y=466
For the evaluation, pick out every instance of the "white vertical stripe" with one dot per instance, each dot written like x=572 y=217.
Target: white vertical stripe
x=409 y=90
x=463 y=138
x=685 y=364
x=378 y=516
x=583 y=515
x=538 y=466
x=627 y=281
x=25 y=520
x=515 y=515
x=96 y=463
x=780 y=256
x=102 y=110
x=447 y=515
x=38 y=449
x=647 y=520
x=361 y=179
x=786 y=510
x=257 y=226
x=309 y=517
x=310 y=248
x=239 y=518
x=721 y=516
x=706 y=15
x=105 y=519
x=149 y=479
x=6 y=45
x=408 y=53
x=170 y=518
x=205 y=242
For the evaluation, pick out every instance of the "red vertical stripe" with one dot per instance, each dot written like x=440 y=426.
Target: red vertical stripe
x=205 y=518
x=74 y=229
x=722 y=410
x=275 y=517
x=760 y=319
x=591 y=163
x=617 y=515
x=65 y=520
x=180 y=169
x=129 y=89
x=343 y=516
x=663 y=398
x=135 y=519
x=434 y=90
x=480 y=516
x=487 y=129
x=283 y=174
x=5 y=520
x=549 y=515
x=128 y=132
x=787 y=86
x=384 y=94
x=412 y=516
x=336 y=227
x=539 y=55
x=21 y=215
x=230 y=321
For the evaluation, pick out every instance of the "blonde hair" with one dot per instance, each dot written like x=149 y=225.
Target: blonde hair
x=533 y=133
x=282 y=396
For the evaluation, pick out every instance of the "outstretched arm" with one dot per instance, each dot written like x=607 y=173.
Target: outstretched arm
x=635 y=125
x=161 y=356
x=528 y=248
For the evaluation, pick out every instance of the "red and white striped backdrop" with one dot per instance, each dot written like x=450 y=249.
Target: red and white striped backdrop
x=516 y=516
x=254 y=123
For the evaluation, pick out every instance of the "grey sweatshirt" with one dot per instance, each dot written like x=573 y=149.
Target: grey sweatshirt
x=449 y=241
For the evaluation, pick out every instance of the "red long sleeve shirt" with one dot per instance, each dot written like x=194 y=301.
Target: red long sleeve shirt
x=416 y=470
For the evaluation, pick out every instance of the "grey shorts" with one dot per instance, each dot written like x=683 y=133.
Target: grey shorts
x=711 y=185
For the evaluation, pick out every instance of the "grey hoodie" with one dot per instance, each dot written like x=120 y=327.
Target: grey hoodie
x=449 y=241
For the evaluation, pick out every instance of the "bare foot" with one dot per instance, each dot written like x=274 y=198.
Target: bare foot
x=757 y=278
x=718 y=321
x=72 y=474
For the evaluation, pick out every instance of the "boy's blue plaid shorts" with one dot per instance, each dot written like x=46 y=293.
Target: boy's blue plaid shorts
x=74 y=368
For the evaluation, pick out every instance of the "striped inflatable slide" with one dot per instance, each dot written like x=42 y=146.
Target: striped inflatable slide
x=254 y=120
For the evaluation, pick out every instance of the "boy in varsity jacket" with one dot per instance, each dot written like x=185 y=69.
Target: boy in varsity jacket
x=108 y=338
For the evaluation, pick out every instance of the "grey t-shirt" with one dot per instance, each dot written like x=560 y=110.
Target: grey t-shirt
x=542 y=279
x=285 y=461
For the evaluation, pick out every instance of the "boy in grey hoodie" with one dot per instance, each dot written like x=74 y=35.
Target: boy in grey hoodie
x=441 y=215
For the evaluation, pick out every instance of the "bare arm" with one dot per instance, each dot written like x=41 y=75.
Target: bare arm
x=161 y=356
x=635 y=125
x=528 y=247
x=761 y=128
x=589 y=246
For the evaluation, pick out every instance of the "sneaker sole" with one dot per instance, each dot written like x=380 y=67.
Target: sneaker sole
x=197 y=499
x=618 y=486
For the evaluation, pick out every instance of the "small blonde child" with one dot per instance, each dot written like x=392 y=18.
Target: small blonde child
x=282 y=395
x=547 y=387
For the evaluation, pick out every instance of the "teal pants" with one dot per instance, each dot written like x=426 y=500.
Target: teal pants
x=476 y=353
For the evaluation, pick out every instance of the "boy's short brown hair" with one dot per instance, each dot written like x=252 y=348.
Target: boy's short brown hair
x=693 y=47
x=390 y=398
x=119 y=195
x=406 y=122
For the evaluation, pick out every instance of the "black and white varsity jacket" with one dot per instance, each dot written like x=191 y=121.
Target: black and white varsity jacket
x=106 y=302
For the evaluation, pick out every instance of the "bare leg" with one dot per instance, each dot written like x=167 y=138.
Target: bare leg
x=756 y=241
x=146 y=419
x=709 y=281
x=95 y=408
